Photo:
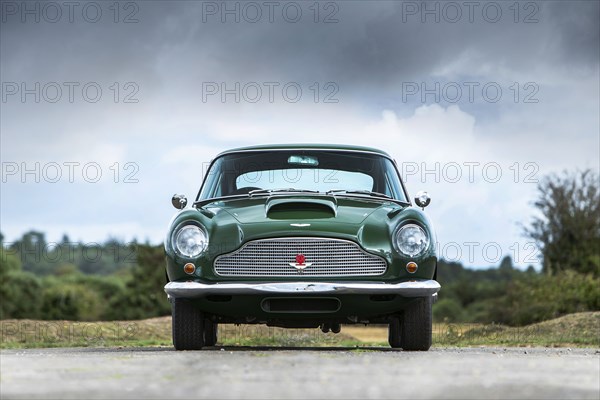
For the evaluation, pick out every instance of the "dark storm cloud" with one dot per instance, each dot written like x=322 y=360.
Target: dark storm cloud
x=372 y=49
x=578 y=27
x=372 y=45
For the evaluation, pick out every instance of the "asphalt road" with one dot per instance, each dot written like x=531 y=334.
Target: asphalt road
x=300 y=373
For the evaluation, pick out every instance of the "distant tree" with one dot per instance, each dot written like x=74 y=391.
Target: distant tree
x=506 y=271
x=144 y=295
x=20 y=292
x=568 y=230
x=506 y=263
x=71 y=301
x=448 y=310
x=66 y=269
x=20 y=295
x=31 y=250
x=8 y=262
x=541 y=297
x=530 y=270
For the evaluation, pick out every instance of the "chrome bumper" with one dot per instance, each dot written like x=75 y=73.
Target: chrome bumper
x=406 y=289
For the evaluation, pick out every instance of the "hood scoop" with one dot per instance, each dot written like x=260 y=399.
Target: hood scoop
x=300 y=208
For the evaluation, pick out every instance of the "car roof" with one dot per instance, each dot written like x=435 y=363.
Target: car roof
x=306 y=146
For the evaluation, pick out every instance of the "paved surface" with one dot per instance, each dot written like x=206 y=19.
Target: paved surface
x=300 y=373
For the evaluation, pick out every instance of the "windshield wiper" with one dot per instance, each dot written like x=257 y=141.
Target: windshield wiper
x=361 y=193
x=366 y=192
x=283 y=190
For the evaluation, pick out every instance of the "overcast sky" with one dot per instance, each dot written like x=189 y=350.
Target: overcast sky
x=464 y=91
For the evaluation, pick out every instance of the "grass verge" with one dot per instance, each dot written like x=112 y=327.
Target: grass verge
x=574 y=330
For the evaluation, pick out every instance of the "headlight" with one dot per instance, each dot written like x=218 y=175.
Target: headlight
x=190 y=241
x=411 y=240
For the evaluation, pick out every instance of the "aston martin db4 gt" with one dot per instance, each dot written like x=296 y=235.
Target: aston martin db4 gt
x=302 y=236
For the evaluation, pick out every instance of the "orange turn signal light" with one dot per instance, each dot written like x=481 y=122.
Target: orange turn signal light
x=412 y=267
x=189 y=268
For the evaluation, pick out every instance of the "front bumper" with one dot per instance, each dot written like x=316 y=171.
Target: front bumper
x=421 y=288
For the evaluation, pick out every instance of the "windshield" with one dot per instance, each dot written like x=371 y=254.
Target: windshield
x=250 y=173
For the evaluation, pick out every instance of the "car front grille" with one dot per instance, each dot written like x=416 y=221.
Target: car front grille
x=278 y=257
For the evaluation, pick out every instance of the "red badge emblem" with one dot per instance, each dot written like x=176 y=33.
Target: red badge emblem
x=300 y=263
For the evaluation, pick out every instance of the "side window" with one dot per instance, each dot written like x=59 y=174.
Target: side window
x=392 y=186
x=217 y=189
x=213 y=188
x=388 y=187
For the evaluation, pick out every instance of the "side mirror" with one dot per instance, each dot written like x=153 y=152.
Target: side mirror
x=179 y=201
x=422 y=199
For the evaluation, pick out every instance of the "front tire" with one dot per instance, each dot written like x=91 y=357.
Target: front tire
x=394 y=333
x=188 y=325
x=416 y=325
x=210 y=332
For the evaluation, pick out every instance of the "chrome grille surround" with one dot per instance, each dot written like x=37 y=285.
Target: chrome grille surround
x=272 y=258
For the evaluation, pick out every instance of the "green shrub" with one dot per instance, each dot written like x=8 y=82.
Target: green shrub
x=20 y=295
x=448 y=310
x=99 y=294
x=481 y=311
x=541 y=297
x=71 y=301
x=144 y=295
x=8 y=262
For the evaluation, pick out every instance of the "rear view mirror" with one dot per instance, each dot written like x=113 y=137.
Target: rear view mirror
x=422 y=199
x=303 y=160
x=179 y=201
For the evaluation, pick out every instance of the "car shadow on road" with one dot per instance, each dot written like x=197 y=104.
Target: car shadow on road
x=297 y=348
x=127 y=349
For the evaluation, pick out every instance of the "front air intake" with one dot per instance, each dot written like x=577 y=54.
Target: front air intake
x=300 y=256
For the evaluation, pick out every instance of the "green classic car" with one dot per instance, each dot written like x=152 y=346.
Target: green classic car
x=301 y=236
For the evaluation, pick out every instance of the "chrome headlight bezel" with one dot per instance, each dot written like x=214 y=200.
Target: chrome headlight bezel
x=196 y=233
x=401 y=241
